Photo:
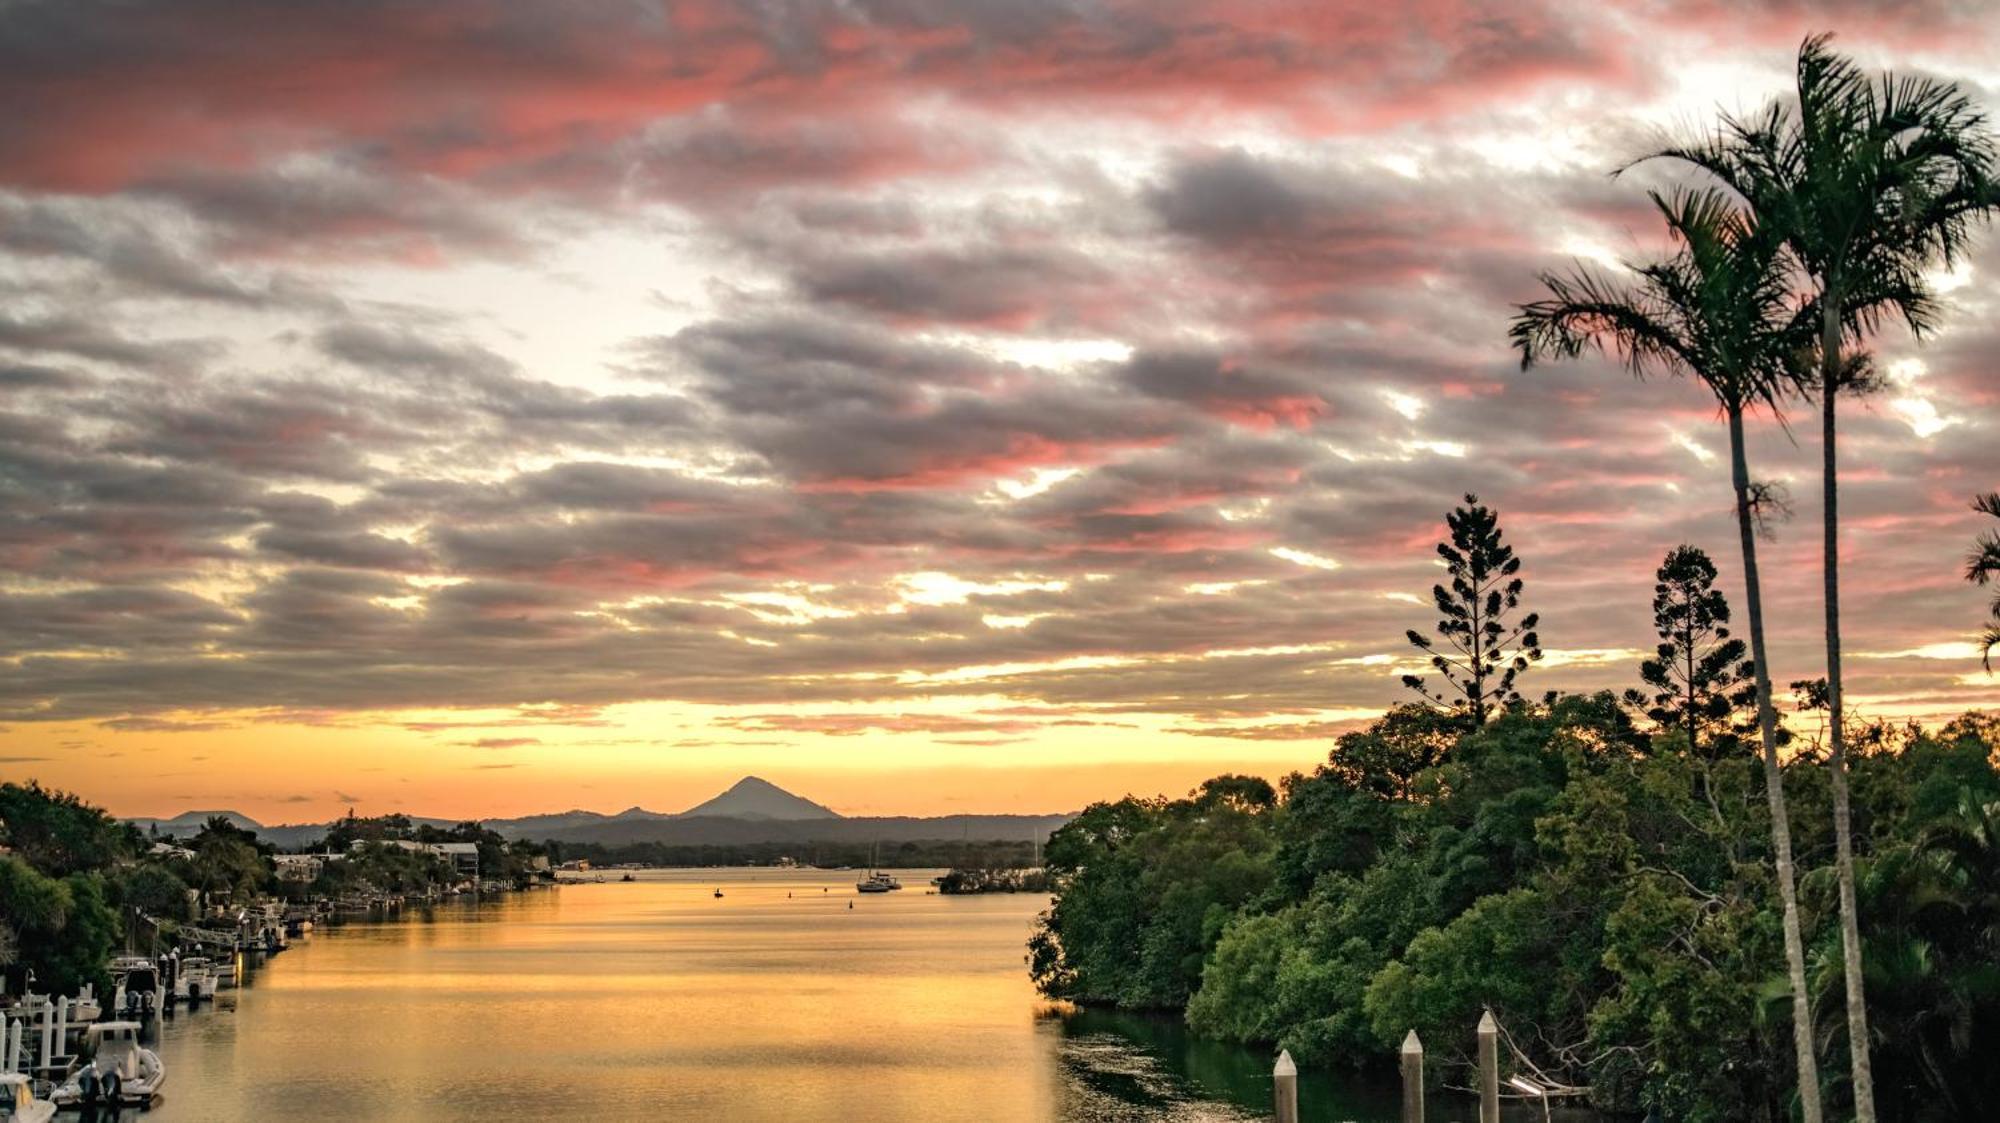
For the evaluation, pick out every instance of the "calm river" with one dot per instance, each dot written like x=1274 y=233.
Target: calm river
x=656 y=1000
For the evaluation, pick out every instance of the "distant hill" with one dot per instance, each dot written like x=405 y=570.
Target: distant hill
x=752 y=810
x=755 y=798
x=190 y=822
x=714 y=831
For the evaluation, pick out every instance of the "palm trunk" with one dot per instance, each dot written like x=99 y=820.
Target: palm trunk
x=1843 y=831
x=1774 y=781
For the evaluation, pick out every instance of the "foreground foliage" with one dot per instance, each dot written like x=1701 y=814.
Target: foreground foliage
x=1606 y=891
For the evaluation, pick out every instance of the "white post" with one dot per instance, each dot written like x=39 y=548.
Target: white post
x=1489 y=1069
x=62 y=1024
x=1285 y=1087
x=47 y=1056
x=1413 y=1079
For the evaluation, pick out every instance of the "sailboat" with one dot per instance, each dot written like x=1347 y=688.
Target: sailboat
x=877 y=881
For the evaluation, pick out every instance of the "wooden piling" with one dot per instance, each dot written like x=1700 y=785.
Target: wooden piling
x=1285 y=1087
x=1413 y=1079
x=1489 y=1069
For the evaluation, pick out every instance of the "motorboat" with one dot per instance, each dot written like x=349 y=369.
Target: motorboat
x=194 y=980
x=116 y=1069
x=138 y=992
x=18 y=1103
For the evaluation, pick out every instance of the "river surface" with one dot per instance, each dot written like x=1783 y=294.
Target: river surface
x=654 y=999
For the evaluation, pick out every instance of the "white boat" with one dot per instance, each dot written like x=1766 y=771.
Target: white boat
x=84 y=1008
x=194 y=980
x=877 y=881
x=118 y=1070
x=18 y=1103
x=138 y=992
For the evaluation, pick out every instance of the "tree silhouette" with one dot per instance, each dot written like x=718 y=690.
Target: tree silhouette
x=1983 y=566
x=1485 y=652
x=1722 y=311
x=1699 y=678
x=1871 y=184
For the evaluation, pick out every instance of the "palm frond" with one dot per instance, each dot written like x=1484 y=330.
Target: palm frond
x=1983 y=563
x=1586 y=311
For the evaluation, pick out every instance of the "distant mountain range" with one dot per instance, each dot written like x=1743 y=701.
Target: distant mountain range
x=752 y=810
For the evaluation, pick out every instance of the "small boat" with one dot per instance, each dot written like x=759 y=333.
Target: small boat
x=877 y=881
x=120 y=1071
x=84 y=1008
x=628 y=877
x=718 y=892
x=18 y=1103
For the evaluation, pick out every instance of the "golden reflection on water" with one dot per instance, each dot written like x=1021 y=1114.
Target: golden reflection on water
x=644 y=1000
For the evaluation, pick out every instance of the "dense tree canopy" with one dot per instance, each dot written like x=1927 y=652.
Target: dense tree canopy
x=1607 y=893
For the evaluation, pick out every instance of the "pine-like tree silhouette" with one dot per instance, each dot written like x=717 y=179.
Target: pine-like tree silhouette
x=1485 y=652
x=1701 y=683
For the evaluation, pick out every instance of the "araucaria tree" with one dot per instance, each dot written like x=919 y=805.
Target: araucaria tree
x=1721 y=311
x=1698 y=676
x=1984 y=566
x=1871 y=185
x=1482 y=652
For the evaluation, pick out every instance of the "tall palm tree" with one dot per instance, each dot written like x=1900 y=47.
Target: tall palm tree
x=1720 y=310
x=1984 y=565
x=1871 y=184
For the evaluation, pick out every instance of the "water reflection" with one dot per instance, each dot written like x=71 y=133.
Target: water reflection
x=657 y=1000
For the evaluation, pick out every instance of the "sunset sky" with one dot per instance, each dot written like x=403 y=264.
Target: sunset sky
x=469 y=408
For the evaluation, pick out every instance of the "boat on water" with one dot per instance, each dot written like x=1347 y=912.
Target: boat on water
x=194 y=980
x=137 y=992
x=877 y=881
x=85 y=1007
x=18 y=1103
x=116 y=1069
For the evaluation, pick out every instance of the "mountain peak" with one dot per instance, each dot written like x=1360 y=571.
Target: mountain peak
x=754 y=797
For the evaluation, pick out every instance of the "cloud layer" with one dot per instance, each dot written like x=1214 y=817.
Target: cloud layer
x=991 y=374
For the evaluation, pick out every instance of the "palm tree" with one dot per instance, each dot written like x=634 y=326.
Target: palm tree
x=1720 y=310
x=1870 y=184
x=1984 y=565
